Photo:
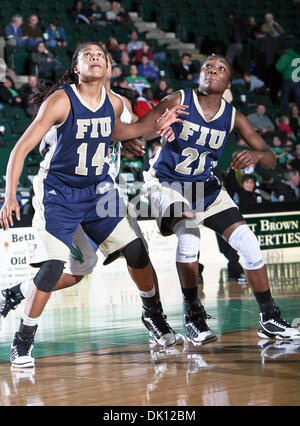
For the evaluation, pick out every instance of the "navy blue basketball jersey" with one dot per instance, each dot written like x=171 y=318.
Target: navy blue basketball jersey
x=198 y=144
x=76 y=150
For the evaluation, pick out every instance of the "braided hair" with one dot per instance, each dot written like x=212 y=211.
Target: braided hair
x=47 y=87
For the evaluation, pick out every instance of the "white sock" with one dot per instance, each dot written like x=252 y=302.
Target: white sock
x=149 y=293
x=30 y=321
x=24 y=287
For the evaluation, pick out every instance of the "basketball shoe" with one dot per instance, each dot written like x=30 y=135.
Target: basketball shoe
x=179 y=338
x=8 y=300
x=22 y=345
x=156 y=322
x=197 y=331
x=271 y=325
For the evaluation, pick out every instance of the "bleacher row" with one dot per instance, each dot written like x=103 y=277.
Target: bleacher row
x=192 y=20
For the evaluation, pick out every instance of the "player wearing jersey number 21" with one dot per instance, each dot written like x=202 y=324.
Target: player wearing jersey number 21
x=181 y=185
x=77 y=119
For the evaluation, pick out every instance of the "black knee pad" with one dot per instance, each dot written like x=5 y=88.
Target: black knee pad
x=135 y=254
x=48 y=275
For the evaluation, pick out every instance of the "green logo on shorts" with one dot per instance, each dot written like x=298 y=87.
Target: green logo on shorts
x=77 y=254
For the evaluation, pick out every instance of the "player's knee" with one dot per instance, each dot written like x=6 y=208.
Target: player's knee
x=188 y=234
x=244 y=241
x=48 y=275
x=135 y=254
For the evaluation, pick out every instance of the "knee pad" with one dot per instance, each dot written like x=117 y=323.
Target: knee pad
x=135 y=254
x=244 y=241
x=188 y=234
x=48 y=275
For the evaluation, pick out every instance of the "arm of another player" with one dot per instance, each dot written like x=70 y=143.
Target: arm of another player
x=53 y=111
x=260 y=153
x=156 y=120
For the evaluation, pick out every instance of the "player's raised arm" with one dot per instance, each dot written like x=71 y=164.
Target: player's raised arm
x=156 y=120
x=261 y=152
x=53 y=111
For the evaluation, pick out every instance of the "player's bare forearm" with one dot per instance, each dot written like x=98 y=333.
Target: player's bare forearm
x=261 y=150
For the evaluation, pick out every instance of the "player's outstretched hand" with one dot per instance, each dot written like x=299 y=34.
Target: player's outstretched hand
x=168 y=133
x=243 y=159
x=10 y=206
x=171 y=116
x=134 y=146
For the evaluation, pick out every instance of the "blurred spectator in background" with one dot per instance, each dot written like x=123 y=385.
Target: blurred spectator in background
x=237 y=36
x=260 y=121
x=145 y=102
x=28 y=89
x=290 y=155
x=116 y=73
x=33 y=31
x=248 y=194
x=146 y=70
x=44 y=61
x=283 y=124
x=137 y=81
x=289 y=186
x=145 y=50
x=279 y=151
x=79 y=14
x=254 y=83
x=117 y=15
x=8 y=93
x=134 y=43
x=125 y=63
x=271 y=27
x=55 y=35
x=265 y=55
x=295 y=120
x=295 y=163
x=13 y=32
x=185 y=70
x=290 y=88
x=162 y=89
x=94 y=14
x=251 y=27
x=114 y=48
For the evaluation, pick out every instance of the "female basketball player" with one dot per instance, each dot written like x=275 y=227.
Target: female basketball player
x=77 y=120
x=79 y=266
x=181 y=183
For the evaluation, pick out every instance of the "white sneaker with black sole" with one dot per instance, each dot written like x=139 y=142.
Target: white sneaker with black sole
x=272 y=326
x=197 y=331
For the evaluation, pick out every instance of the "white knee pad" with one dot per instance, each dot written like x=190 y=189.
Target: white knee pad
x=188 y=234
x=244 y=241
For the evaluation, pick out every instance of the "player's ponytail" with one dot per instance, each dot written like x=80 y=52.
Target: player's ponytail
x=46 y=87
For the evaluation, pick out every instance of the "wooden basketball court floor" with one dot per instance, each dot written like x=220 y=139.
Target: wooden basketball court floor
x=91 y=348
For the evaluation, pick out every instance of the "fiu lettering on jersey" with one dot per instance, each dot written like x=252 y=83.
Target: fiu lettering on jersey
x=91 y=127
x=77 y=149
x=198 y=143
x=215 y=139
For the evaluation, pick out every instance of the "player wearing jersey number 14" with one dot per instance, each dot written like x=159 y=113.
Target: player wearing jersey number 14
x=77 y=119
